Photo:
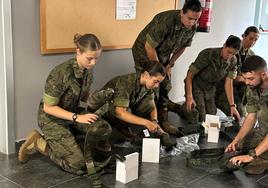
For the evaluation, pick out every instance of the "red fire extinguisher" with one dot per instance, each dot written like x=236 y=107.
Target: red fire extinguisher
x=205 y=18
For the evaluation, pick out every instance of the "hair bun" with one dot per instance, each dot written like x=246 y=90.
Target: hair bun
x=77 y=37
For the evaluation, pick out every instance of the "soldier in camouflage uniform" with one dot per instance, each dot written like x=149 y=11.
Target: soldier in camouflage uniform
x=133 y=103
x=211 y=66
x=164 y=39
x=249 y=38
x=59 y=115
x=252 y=141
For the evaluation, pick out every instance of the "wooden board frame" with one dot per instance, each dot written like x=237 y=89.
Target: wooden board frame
x=61 y=19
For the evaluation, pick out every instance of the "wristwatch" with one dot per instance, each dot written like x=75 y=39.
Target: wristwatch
x=74 y=116
x=252 y=153
x=233 y=105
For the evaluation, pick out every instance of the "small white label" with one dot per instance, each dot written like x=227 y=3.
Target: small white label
x=146 y=133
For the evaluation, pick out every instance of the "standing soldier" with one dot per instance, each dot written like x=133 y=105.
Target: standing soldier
x=164 y=39
x=249 y=38
x=59 y=116
x=211 y=66
x=250 y=145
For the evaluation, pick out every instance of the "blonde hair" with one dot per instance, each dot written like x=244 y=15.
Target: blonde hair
x=87 y=42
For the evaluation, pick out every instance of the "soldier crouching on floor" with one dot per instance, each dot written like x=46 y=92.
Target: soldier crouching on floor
x=250 y=146
x=133 y=103
x=59 y=115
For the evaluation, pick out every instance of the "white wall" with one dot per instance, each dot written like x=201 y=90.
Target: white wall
x=31 y=68
x=228 y=17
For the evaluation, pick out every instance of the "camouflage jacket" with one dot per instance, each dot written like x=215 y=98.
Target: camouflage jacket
x=209 y=69
x=166 y=34
x=127 y=90
x=257 y=103
x=63 y=87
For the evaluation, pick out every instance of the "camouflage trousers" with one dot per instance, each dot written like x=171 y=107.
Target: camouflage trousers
x=204 y=105
x=69 y=144
x=223 y=104
x=64 y=149
x=251 y=141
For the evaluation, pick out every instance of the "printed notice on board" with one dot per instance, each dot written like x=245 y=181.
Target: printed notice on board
x=125 y=9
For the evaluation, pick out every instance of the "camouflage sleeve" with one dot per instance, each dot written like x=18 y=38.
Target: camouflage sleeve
x=157 y=34
x=252 y=101
x=232 y=73
x=122 y=94
x=200 y=62
x=54 y=88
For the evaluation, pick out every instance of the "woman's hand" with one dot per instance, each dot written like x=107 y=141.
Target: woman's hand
x=86 y=118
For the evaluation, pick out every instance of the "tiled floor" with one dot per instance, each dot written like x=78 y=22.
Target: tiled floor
x=40 y=172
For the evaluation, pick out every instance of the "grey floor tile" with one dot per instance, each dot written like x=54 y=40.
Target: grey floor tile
x=220 y=179
x=5 y=183
x=263 y=180
x=3 y=156
x=38 y=172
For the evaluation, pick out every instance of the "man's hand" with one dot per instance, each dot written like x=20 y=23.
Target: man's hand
x=232 y=146
x=86 y=118
x=235 y=113
x=190 y=103
x=238 y=160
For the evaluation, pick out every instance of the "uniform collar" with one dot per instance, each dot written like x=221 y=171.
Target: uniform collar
x=77 y=72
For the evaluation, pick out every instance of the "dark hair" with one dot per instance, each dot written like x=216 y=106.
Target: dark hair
x=253 y=63
x=87 y=42
x=154 y=68
x=233 y=42
x=250 y=29
x=193 y=5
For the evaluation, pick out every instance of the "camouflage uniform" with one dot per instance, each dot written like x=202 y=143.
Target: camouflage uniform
x=257 y=103
x=208 y=69
x=129 y=94
x=63 y=88
x=167 y=35
x=239 y=89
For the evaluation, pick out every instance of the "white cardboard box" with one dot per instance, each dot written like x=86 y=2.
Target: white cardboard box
x=150 y=150
x=128 y=170
x=213 y=134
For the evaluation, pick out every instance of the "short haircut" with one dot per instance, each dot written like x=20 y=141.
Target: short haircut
x=233 y=42
x=193 y=5
x=253 y=63
x=249 y=30
x=154 y=68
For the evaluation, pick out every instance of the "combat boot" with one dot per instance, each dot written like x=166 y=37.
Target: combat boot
x=180 y=109
x=257 y=166
x=34 y=142
x=104 y=146
x=164 y=123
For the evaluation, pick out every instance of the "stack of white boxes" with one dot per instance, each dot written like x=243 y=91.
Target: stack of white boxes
x=212 y=128
x=128 y=170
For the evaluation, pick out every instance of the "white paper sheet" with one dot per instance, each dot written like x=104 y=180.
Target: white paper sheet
x=126 y=9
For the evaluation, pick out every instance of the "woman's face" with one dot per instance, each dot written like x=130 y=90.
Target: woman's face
x=88 y=58
x=152 y=82
x=249 y=40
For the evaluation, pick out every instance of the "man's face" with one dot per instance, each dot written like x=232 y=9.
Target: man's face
x=189 y=19
x=249 y=40
x=254 y=79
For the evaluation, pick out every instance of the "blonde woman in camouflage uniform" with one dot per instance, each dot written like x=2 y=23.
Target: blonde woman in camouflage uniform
x=58 y=114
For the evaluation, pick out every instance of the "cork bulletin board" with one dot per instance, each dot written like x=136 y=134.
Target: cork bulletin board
x=61 y=19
